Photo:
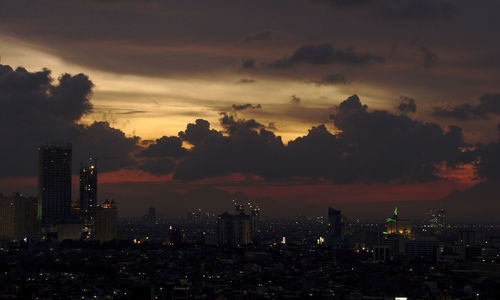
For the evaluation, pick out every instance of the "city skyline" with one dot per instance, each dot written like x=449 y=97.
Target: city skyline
x=344 y=103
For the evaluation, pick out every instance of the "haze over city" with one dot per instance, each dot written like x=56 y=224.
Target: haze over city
x=297 y=105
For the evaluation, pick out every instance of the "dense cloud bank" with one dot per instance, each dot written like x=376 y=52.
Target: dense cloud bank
x=367 y=146
x=370 y=147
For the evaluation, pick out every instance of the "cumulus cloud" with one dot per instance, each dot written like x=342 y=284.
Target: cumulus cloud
x=165 y=146
x=488 y=104
x=383 y=146
x=232 y=124
x=370 y=146
x=199 y=132
x=325 y=54
x=407 y=105
x=35 y=109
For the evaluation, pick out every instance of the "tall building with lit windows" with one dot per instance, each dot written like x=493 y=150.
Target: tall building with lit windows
x=88 y=191
x=54 y=183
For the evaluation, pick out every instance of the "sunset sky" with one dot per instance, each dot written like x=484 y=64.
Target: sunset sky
x=308 y=101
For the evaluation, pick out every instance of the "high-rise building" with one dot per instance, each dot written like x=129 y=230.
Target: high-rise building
x=396 y=225
x=254 y=222
x=88 y=192
x=105 y=222
x=54 y=183
x=233 y=230
x=18 y=217
x=336 y=227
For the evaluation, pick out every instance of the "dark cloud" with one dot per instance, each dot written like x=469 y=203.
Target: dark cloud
x=488 y=164
x=488 y=104
x=199 y=132
x=113 y=149
x=295 y=99
x=383 y=146
x=462 y=112
x=369 y=147
x=325 y=54
x=34 y=110
x=407 y=105
x=429 y=57
x=165 y=146
x=259 y=36
x=246 y=80
x=238 y=107
x=231 y=124
x=158 y=166
x=330 y=79
x=247 y=64
x=248 y=149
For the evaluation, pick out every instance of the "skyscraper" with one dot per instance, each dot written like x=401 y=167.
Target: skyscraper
x=54 y=183
x=88 y=191
x=334 y=225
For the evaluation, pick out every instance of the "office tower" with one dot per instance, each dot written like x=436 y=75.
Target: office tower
x=396 y=225
x=105 y=222
x=225 y=229
x=88 y=191
x=335 y=226
x=54 y=183
x=254 y=222
x=233 y=230
x=241 y=229
x=18 y=217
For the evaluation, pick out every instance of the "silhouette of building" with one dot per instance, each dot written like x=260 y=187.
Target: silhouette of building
x=105 y=222
x=18 y=217
x=174 y=236
x=396 y=225
x=233 y=230
x=88 y=192
x=255 y=222
x=336 y=227
x=54 y=183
